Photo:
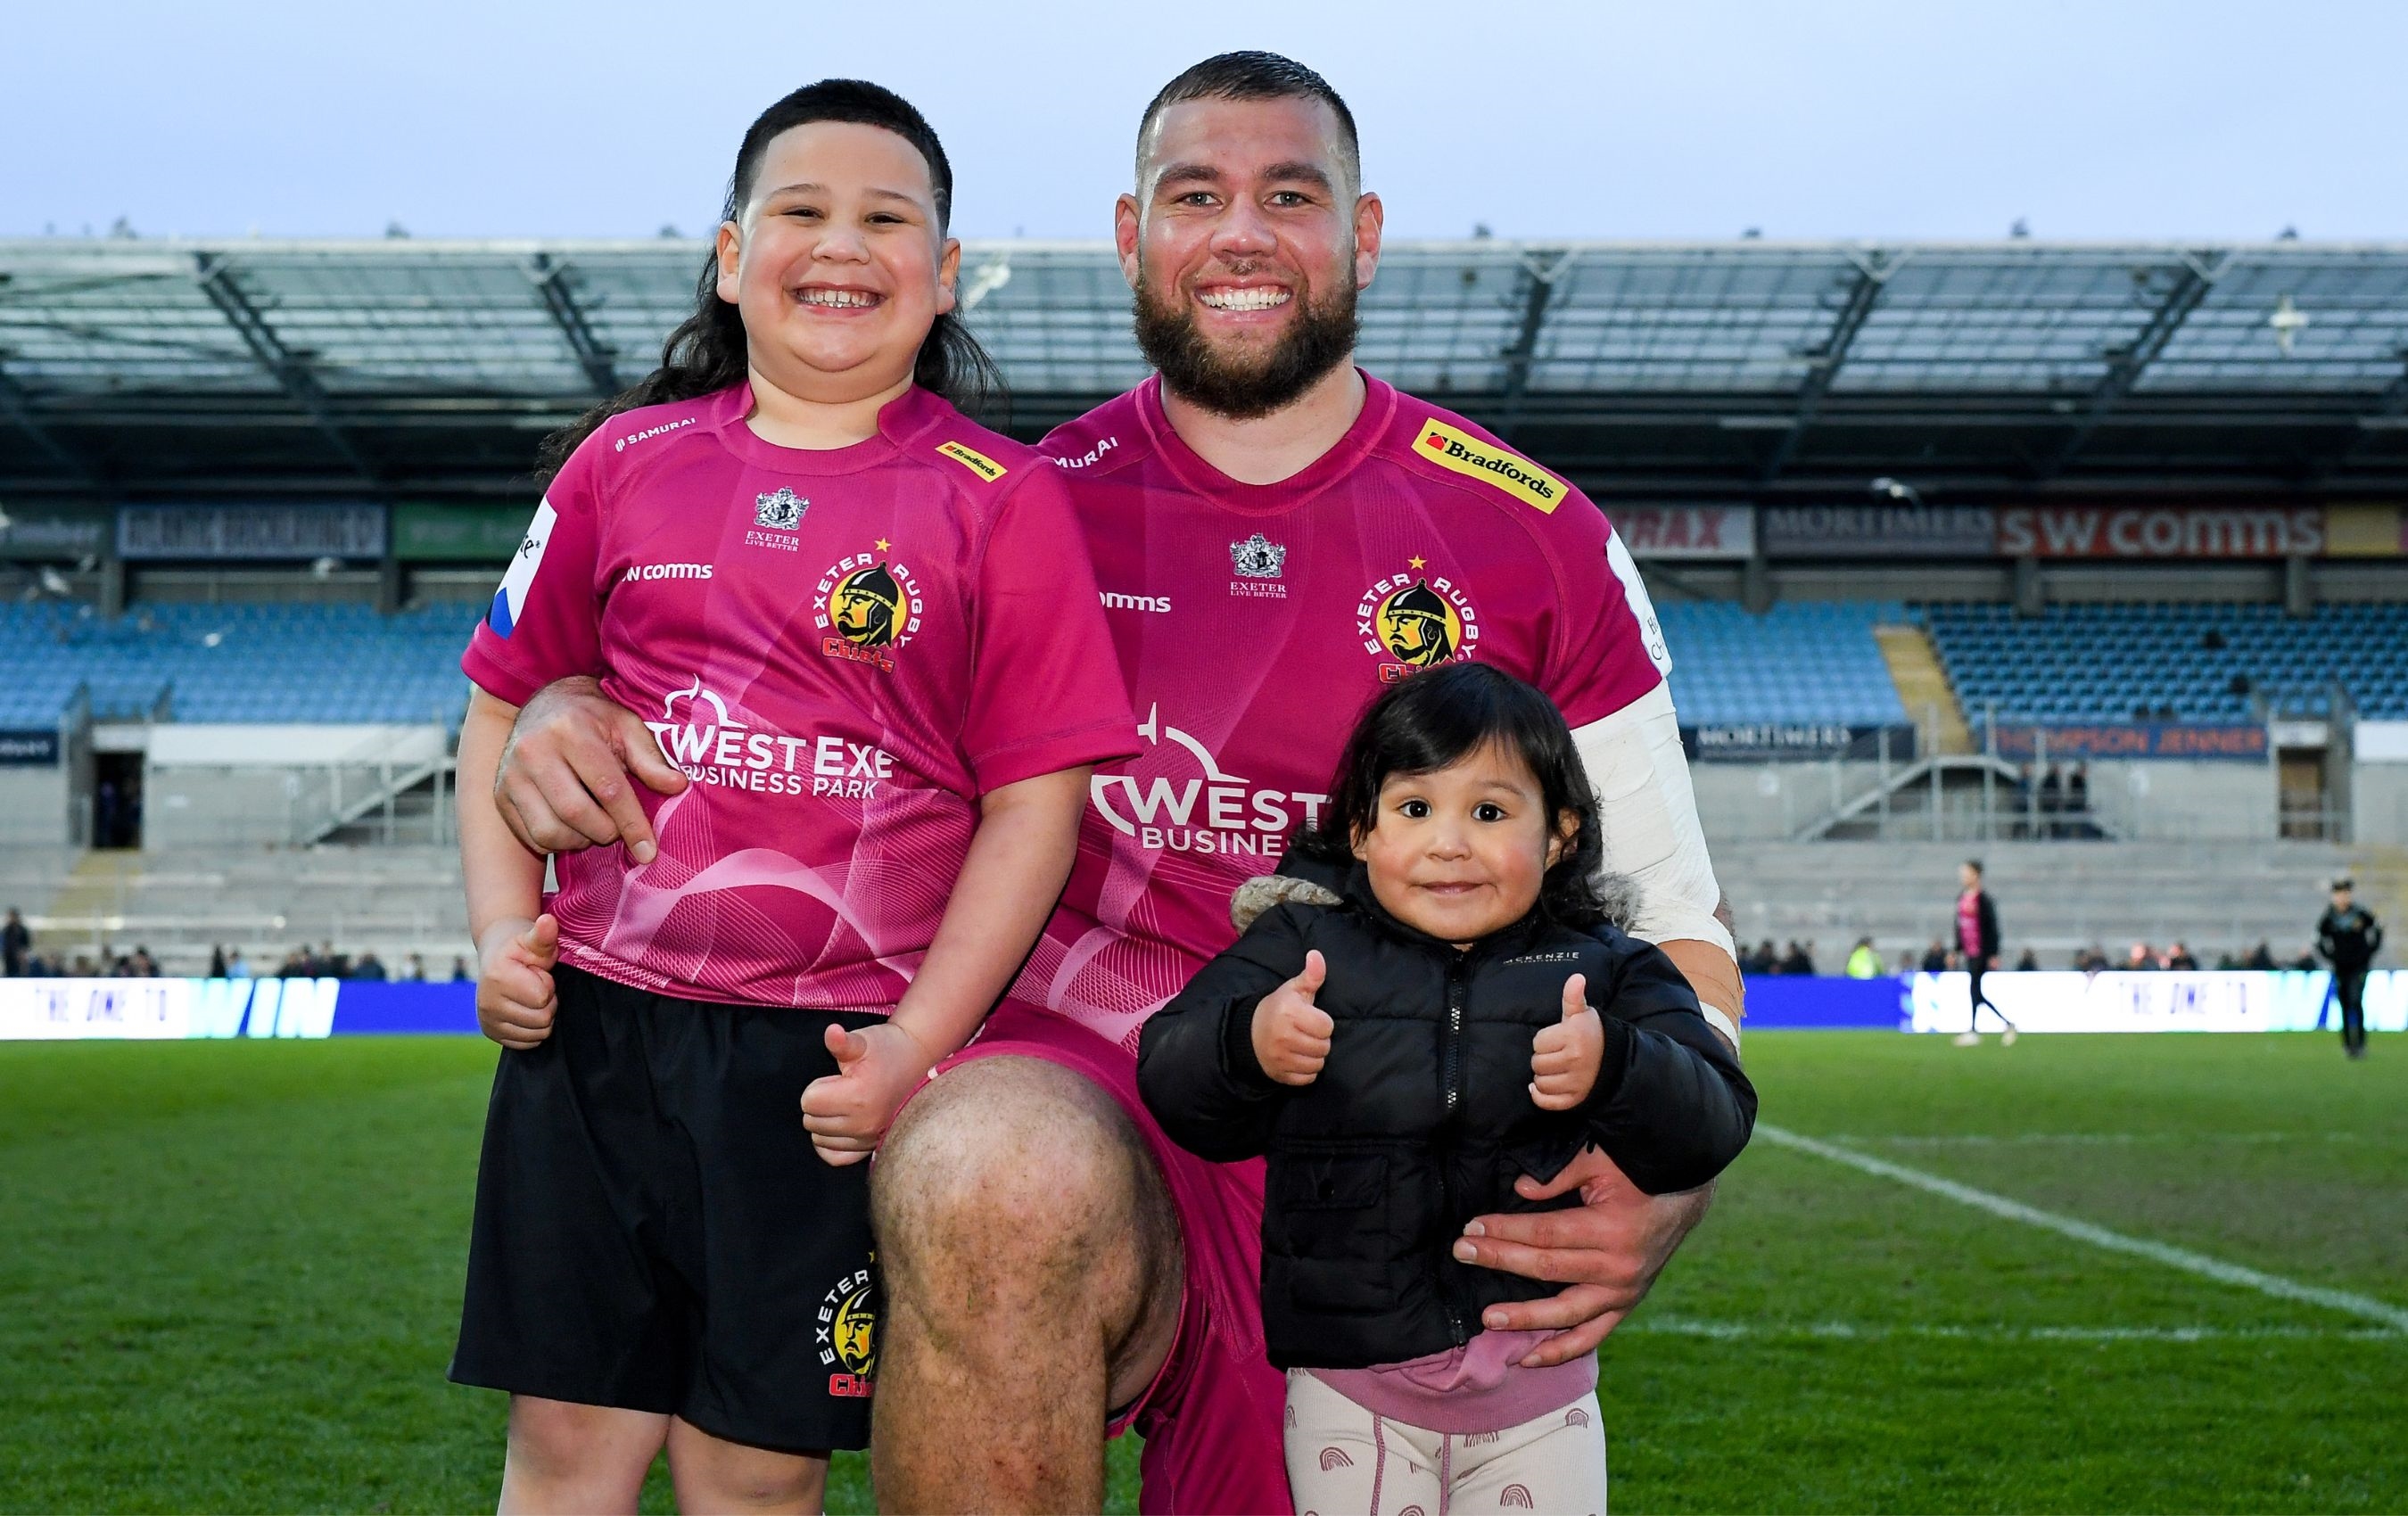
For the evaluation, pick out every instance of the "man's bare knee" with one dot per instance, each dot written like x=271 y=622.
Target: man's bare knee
x=1012 y=1151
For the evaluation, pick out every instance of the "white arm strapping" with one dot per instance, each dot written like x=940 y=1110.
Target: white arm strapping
x=1648 y=814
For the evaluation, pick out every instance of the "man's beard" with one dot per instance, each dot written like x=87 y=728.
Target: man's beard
x=1320 y=338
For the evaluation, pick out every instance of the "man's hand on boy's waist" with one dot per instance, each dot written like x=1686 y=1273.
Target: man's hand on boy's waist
x=1607 y=1252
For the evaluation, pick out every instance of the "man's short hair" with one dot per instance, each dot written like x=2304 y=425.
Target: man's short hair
x=1252 y=76
x=2345 y=883
x=1974 y=863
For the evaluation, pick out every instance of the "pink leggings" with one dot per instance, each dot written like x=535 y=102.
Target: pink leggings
x=1341 y=1459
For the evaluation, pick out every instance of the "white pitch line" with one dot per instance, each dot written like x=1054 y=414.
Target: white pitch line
x=1853 y=1331
x=2200 y=1264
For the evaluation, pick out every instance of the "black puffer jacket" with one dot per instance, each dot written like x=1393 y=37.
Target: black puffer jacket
x=1422 y=1117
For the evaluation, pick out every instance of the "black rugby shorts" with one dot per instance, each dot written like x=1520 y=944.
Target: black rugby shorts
x=654 y=1232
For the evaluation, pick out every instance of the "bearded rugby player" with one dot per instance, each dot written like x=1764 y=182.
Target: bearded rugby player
x=1276 y=535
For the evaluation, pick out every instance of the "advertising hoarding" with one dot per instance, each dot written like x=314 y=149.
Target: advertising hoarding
x=1686 y=531
x=2160 y=531
x=30 y=748
x=1757 y=742
x=52 y=534
x=2135 y=739
x=457 y=534
x=2212 y=1001
x=1877 y=531
x=274 y=531
x=175 y=1009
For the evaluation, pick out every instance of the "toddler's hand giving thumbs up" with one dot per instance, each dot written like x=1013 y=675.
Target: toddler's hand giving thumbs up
x=1291 y=1033
x=1565 y=1057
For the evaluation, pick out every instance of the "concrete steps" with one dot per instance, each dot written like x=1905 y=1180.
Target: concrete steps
x=1923 y=687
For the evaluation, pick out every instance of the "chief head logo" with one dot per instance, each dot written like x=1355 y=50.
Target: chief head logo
x=1418 y=626
x=781 y=510
x=866 y=607
x=1416 y=620
x=847 y=1335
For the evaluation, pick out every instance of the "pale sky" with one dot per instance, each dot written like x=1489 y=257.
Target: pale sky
x=2206 y=121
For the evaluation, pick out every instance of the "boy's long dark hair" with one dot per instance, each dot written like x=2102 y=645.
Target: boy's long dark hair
x=1438 y=718
x=707 y=350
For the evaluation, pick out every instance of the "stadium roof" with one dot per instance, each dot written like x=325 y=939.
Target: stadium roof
x=136 y=367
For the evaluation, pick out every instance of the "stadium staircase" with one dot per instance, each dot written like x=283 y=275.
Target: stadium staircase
x=1924 y=690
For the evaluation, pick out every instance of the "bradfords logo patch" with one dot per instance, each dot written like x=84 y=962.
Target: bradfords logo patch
x=703 y=737
x=1259 y=563
x=846 y=1333
x=868 y=607
x=776 y=518
x=1415 y=621
x=1457 y=450
x=1179 y=799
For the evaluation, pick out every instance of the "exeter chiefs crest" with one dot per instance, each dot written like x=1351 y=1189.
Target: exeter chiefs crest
x=868 y=606
x=1414 y=620
x=846 y=1333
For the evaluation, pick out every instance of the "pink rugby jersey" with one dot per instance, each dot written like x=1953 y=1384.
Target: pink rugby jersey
x=843 y=649
x=1253 y=622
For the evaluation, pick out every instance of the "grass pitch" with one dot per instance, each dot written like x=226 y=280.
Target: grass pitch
x=231 y=1277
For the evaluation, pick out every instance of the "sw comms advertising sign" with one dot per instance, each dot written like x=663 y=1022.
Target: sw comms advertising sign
x=2160 y=531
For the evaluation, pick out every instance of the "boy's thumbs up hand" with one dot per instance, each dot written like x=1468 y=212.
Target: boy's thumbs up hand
x=1565 y=1057
x=846 y=1112
x=1291 y=1034
x=515 y=1000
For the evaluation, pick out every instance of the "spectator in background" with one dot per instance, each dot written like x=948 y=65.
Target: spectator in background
x=2349 y=937
x=217 y=961
x=2052 y=802
x=1935 y=957
x=2179 y=960
x=2077 y=799
x=2022 y=825
x=237 y=966
x=16 y=940
x=2029 y=963
x=369 y=967
x=1978 y=939
x=144 y=966
x=2306 y=962
x=1863 y=963
x=460 y=971
x=414 y=972
x=1761 y=961
x=1799 y=960
x=2139 y=960
x=2262 y=959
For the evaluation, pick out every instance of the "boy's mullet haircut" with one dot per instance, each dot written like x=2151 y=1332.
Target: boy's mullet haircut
x=1252 y=76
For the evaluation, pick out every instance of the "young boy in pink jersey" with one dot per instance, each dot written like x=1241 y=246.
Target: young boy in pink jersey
x=864 y=630
x=1406 y=1046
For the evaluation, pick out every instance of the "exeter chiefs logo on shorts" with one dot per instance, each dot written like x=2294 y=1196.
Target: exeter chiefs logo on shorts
x=846 y=1333
x=868 y=605
x=1416 y=620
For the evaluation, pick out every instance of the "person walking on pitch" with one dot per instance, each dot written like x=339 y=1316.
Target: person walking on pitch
x=1977 y=939
x=2348 y=937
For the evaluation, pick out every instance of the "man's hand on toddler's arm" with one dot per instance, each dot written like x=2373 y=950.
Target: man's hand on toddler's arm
x=1565 y=1057
x=1291 y=1033
x=847 y=1113
x=514 y=989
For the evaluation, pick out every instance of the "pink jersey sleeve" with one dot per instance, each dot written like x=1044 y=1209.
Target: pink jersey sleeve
x=1606 y=648
x=1045 y=686
x=545 y=622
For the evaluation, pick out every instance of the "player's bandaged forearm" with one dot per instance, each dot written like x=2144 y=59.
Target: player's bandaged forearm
x=1648 y=815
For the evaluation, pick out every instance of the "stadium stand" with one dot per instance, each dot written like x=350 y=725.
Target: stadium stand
x=1798 y=662
x=236 y=662
x=2187 y=662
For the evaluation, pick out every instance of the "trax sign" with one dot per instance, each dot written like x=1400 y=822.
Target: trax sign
x=51 y=1010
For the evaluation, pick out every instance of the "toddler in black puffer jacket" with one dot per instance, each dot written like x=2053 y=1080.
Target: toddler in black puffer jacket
x=1455 y=1012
